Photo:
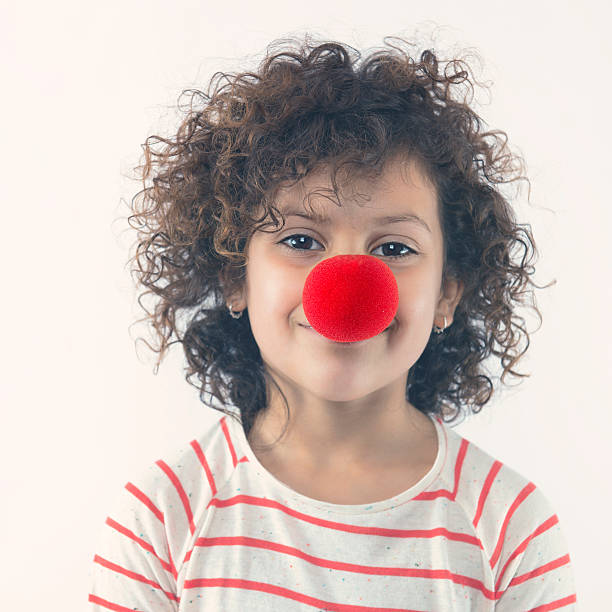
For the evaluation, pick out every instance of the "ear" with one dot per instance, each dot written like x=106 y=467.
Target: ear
x=450 y=296
x=236 y=299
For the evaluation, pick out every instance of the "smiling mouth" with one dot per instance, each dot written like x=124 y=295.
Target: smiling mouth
x=339 y=342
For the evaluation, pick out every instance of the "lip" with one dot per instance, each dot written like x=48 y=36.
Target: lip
x=308 y=327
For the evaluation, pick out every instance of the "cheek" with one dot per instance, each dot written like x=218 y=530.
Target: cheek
x=418 y=295
x=274 y=290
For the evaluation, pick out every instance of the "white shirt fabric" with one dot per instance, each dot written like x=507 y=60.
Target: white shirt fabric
x=209 y=529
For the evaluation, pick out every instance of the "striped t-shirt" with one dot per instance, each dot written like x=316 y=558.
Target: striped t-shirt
x=209 y=529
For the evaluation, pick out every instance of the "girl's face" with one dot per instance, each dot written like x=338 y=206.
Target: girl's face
x=307 y=365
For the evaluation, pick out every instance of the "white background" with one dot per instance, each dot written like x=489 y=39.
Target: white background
x=83 y=84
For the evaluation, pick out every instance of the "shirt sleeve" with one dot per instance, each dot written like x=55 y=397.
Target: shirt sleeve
x=534 y=570
x=133 y=568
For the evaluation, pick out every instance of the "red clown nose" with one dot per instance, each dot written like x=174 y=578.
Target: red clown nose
x=349 y=298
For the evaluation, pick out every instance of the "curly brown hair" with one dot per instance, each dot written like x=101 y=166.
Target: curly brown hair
x=320 y=104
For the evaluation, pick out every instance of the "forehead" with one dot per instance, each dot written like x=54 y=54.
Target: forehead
x=401 y=188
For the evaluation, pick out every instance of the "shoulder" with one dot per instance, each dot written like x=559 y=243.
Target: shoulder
x=485 y=483
x=160 y=506
x=192 y=473
x=489 y=490
x=513 y=520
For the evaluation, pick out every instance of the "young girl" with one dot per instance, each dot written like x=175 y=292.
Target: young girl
x=333 y=479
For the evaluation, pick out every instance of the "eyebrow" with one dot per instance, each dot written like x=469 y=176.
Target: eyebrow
x=387 y=219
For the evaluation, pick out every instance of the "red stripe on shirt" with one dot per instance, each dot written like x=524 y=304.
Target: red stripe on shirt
x=342 y=566
x=228 y=438
x=553 y=520
x=452 y=495
x=538 y=571
x=555 y=605
x=515 y=504
x=379 y=531
x=486 y=488
x=289 y=594
x=181 y=492
x=202 y=459
x=108 y=604
x=142 y=543
x=136 y=492
x=133 y=575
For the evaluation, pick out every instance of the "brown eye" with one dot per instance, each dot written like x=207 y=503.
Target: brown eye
x=297 y=238
x=304 y=240
x=395 y=251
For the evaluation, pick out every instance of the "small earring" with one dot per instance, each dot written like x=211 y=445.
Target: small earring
x=439 y=330
x=233 y=314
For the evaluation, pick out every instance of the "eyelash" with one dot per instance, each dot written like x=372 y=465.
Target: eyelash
x=412 y=251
